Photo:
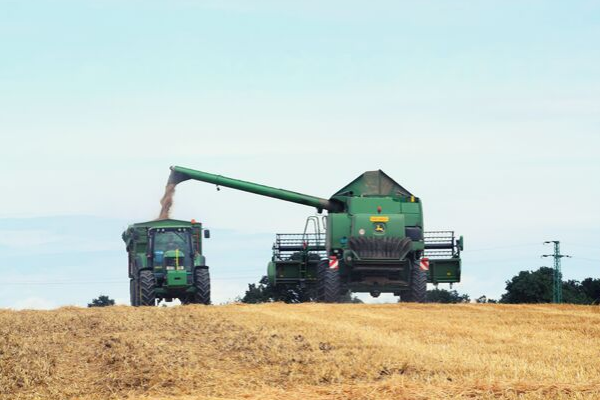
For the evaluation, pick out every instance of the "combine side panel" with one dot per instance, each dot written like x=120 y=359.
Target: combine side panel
x=442 y=249
x=296 y=257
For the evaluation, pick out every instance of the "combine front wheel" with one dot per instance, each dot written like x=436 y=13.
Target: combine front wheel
x=147 y=296
x=417 y=292
x=329 y=283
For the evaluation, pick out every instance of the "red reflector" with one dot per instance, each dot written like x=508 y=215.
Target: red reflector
x=333 y=262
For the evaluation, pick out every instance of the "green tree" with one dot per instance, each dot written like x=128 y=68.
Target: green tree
x=530 y=287
x=484 y=299
x=574 y=293
x=257 y=293
x=537 y=287
x=591 y=287
x=102 y=301
x=446 y=296
x=264 y=292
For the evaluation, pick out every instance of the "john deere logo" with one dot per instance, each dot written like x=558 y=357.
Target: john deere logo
x=379 y=227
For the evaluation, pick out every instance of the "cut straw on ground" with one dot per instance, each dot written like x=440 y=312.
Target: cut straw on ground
x=307 y=351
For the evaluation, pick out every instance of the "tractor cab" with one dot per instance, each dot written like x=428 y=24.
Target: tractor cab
x=171 y=250
x=166 y=262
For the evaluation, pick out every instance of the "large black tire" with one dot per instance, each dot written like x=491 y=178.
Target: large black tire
x=147 y=285
x=329 y=284
x=417 y=291
x=134 y=293
x=202 y=284
x=186 y=300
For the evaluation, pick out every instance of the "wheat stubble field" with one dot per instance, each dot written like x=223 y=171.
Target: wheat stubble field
x=308 y=351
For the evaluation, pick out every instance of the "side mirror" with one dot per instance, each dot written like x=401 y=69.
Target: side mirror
x=206 y=234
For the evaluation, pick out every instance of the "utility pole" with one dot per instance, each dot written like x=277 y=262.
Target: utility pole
x=557 y=281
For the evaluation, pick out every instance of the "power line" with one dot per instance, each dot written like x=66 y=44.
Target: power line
x=121 y=281
x=499 y=260
x=583 y=245
x=504 y=247
x=586 y=259
x=65 y=283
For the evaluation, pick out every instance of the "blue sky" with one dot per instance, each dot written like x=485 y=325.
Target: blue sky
x=489 y=111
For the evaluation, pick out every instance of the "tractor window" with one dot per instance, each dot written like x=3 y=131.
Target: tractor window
x=172 y=249
x=171 y=240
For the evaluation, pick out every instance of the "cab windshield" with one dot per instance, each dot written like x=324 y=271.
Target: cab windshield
x=172 y=247
x=171 y=240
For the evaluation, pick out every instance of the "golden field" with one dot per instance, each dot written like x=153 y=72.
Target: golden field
x=307 y=351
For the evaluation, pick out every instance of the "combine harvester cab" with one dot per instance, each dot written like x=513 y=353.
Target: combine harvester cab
x=166 y=262
x=372 y=241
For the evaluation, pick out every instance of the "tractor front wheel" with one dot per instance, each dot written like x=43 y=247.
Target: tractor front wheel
x=329 y=283
x=202 y=284
x=147 y=296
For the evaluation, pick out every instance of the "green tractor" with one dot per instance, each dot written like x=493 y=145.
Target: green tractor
x=372 y=240
x=166 y=262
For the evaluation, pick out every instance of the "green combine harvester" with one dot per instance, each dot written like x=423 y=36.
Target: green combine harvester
x=372 y=240
x=166 y=262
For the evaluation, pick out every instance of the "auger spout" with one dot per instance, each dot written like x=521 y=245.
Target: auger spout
x=180 y=174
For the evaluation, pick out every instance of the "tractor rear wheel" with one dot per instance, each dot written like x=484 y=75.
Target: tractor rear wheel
x=134 y=292
x=417 y=292
x=329 y=283
x=147 y=295
x=202 y=284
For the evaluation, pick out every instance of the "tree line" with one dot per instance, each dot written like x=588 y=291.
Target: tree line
x=525 y=287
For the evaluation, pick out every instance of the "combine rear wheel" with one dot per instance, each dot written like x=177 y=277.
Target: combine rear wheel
x=202 y=284
x=329 y=283
x=147 y=296
x=417 y=292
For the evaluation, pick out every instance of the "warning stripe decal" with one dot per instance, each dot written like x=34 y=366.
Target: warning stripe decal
x=333 y=262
